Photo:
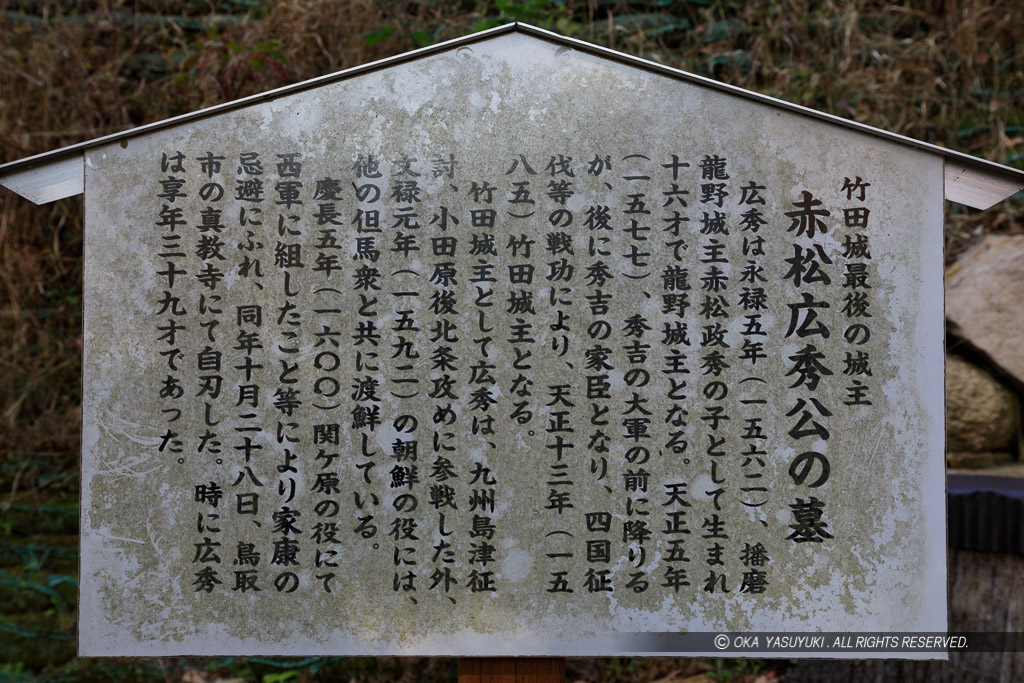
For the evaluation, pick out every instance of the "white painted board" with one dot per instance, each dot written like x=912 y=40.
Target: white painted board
x=609 y=356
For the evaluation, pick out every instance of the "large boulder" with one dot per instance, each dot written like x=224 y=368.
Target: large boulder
x=980 y=414
x=984 y=299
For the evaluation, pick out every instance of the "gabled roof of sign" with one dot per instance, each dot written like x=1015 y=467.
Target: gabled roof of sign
x=60 y=173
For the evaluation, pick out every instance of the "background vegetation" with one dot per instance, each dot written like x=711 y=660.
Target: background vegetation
x=950 y=72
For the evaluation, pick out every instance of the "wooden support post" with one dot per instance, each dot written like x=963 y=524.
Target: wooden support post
x=511 y=670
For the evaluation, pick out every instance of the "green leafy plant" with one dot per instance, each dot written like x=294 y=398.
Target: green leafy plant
x=229 y=67
x=544 y=13
x=282 y=677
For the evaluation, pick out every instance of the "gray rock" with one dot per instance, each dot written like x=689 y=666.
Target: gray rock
x=975 y=461
x=984 y=293
x=979 y=411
